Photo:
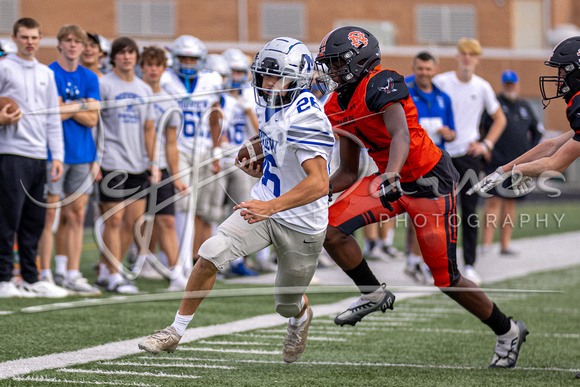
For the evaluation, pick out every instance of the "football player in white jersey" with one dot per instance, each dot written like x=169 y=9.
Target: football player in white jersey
x=197 y=92
x=288 y=207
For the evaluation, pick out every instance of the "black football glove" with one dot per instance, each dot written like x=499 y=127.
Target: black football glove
x=390 y=192
x=329 y=193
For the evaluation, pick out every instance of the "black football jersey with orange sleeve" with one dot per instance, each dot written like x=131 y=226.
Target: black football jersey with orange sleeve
x=573 y=114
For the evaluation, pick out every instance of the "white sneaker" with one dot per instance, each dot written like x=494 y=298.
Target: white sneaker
x=377 y=253
x=42 y=289
x=9 y=290
x=80 y=286
x=470 y=274
x=178 y=284
x=123 y=287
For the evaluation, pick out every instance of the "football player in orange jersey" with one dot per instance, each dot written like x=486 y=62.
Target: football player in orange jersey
x=371 y=107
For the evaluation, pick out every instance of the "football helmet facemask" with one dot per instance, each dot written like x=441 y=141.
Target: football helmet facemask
x=346 y=55
x=288 y=59
x=187 y=45
x=238 y=61
x=565 y=58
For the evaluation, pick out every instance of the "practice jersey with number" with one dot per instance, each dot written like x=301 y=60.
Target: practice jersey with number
x=362 y=116
x=573 y=114
x=290 y=136
x=160 y=106
x=205 y=91
x=124 y=147
x=234 y=126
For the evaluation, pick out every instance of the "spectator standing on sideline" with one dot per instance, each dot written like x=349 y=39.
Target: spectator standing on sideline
x=23 y=153
x=153 y=64
x=470 y=96
x=93 y=54
x=76 y=87
x=522 y=133
x=129 y=157
x=372 y=106
x=289 y=206
x=201 y=120
x=436 y=117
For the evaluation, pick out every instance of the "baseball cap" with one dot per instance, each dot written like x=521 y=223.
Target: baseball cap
x=509 y=76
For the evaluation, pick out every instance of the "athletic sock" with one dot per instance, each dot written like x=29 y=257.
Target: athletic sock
x=181 y=322
x=104 y=272
x=115 y=279
x=413 y=259
x=364 y=278
x=300 y=320
x=61 y=262
x=369 y=245
x=72 y=274
x=45 y=275
x=498 y=321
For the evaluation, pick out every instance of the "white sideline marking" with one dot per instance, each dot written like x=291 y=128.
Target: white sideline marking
x=54 y=380
x=239 y=343
x=252 y=351
x=118 y=349
x=321 y=331
x=5 y=312
x=363 y=364
x=103 y=372
x=382 y=324
x=180 y=365
x=310 y=338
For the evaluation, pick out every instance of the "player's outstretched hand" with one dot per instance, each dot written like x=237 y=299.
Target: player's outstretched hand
x=390 y=192
x=490 y=181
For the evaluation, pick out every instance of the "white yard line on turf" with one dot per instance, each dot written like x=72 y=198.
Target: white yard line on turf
x=180 y=365
x=148 y=374
x=66 y=381
x=119 y=349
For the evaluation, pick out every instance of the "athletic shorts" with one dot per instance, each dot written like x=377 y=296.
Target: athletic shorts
x=165 y=196
x=435 y=221
x=297 y=253
x=75 y=178
x=117 y=186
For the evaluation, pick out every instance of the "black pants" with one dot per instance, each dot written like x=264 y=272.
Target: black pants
x=468 y=205
x=19 y=214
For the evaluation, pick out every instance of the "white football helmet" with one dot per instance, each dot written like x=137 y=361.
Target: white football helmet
x=217 y=63
x=288 y=59
x=187 y=45
x=238 y=61
x=7 y=47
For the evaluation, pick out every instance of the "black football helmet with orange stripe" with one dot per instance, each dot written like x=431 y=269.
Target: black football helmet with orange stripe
x=566 y=58
x=347 y=54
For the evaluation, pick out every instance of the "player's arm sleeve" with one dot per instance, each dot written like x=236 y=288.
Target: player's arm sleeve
x=310 y=136
x=573 y=114
x=385 y=88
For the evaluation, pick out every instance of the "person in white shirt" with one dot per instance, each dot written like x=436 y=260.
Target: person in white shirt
x=23 y=153
x=470 y=96
x=289 y=205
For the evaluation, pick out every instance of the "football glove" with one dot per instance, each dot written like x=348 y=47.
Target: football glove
x=522 y=184
x=390 y=192
x=490 y=181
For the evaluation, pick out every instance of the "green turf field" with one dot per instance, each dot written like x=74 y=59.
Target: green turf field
x=427 y=341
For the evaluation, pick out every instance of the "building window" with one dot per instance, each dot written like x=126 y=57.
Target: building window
x=8 y=15
x=283 y=19
x=146 y=18
x=384 y=31
x=444 y=24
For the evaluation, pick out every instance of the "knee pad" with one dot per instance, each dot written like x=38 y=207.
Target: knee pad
x=216 y=250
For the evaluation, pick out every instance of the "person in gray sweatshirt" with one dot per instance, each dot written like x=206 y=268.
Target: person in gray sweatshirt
x=24 y=137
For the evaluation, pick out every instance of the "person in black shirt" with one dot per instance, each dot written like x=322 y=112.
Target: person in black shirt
x=522 y=133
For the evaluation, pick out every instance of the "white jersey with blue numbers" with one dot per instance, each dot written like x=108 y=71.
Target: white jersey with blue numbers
x=206 y=88
x=234 y=126
x=289 y=137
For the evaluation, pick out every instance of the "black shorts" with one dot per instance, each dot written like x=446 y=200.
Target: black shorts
x=164 y=192
x=117 y=186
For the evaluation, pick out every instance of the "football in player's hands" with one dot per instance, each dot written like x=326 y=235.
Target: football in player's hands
x=13 y=105
x=251 y=150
